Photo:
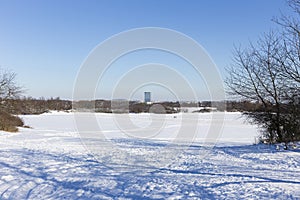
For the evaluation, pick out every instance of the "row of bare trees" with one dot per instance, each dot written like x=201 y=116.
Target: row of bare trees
x=268 y=72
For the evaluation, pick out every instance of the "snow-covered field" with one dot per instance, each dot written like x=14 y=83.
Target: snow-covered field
x=145 y=160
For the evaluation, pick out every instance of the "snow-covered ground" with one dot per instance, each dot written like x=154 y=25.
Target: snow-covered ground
x=144 y=160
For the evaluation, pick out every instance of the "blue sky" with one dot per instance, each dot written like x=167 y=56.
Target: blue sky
x=45 y=42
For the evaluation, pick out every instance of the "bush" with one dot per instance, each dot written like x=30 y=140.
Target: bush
x=9 y=122
x=280 y=127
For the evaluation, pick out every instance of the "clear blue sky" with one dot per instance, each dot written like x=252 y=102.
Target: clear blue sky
x=45 y=42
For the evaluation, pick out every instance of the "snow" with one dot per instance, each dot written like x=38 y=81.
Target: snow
x=144 y=160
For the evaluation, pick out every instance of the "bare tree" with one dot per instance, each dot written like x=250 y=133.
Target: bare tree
x=290 y=66
x=8 y=91
x=8 y=87
x=269 y=73
x=255 y=75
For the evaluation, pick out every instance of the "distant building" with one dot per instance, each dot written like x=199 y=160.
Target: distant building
x=147 y=97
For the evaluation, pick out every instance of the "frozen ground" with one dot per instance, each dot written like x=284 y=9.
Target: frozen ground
x=53 y=161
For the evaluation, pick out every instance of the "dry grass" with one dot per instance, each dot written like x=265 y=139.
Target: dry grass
x=9 y=122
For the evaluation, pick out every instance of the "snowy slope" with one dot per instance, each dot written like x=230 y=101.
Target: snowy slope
x=52 y=161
